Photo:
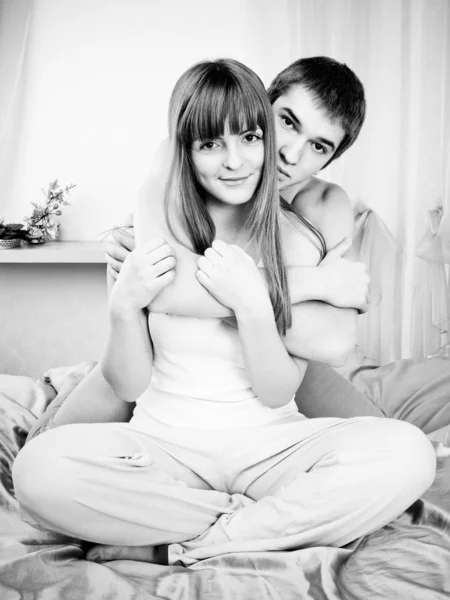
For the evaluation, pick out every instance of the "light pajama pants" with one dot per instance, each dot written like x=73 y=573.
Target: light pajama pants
x=291 y=484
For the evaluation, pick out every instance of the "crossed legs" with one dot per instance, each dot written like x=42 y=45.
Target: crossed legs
x=293 y=484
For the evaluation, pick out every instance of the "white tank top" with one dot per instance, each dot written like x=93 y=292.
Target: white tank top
x=199 y=377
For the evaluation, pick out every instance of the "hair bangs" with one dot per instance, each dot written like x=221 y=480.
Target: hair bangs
x=215 y=106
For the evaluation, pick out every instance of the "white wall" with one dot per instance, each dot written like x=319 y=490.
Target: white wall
x=51 y=315
x=97 y=84
x=99 y=74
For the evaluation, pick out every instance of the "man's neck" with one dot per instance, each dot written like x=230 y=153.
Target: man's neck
x=290 y=192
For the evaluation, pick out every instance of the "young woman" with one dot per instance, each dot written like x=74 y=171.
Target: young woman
x=216 y=457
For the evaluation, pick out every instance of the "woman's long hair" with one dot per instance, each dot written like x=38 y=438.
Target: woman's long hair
x=206 y=97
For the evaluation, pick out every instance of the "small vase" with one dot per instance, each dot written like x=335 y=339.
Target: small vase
x=36 y=236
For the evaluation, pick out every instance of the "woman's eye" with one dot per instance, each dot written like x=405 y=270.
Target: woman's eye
x=208 y=145
x=319 y=148
x=251 y=137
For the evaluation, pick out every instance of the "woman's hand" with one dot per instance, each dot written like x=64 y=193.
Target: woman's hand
x=345 y=282
x=231 y=276
x=145 y=272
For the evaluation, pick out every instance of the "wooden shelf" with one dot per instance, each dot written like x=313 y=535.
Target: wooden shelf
x=56 y=252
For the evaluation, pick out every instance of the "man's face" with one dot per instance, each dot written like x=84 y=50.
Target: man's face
x=306 y=137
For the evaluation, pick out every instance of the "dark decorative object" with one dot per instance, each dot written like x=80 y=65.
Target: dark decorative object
x=41 y=226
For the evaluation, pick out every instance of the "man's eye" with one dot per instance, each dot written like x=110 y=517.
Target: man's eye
x=319 y=148
x=287 y=122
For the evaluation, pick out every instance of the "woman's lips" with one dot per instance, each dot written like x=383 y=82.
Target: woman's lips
x=234 y=181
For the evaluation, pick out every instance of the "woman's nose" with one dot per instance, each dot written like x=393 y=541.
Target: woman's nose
x=233 y=158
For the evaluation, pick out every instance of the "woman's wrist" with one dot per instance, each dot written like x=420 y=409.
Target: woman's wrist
x=123 y=312
x=261 y=311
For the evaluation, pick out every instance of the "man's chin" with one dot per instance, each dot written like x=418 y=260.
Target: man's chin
x=284 y=185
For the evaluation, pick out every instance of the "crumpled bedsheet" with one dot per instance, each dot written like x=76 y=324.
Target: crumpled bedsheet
x=408 y=559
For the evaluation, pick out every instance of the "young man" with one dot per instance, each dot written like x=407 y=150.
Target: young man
x=319 y=109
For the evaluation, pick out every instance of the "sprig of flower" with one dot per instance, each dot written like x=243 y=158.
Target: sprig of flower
x=41 y=227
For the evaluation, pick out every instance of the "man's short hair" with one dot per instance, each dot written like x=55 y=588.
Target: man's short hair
x=336 y=88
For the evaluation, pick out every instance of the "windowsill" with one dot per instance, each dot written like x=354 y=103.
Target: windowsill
x=56 y=252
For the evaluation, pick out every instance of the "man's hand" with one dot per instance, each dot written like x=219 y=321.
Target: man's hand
x=118 y=248
x=346 y=283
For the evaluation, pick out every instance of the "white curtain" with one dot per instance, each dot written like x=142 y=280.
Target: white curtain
x=379 y=328
x=400 y=164
x=15 y=16
x=92 y=114
x=431 y=301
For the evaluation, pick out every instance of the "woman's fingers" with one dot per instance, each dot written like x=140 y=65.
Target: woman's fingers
x=154 y=250
x=164 y=265
x=203 y=279
x=161 y=253
x=205 y=265
x=213 y=256
x=150 y=245
x=164 y=279
x=222 y=248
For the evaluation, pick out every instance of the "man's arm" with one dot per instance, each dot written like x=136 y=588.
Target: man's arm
x=338 y=281
x=320 y=331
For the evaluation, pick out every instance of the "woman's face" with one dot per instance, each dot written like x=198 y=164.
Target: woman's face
x=229 y=168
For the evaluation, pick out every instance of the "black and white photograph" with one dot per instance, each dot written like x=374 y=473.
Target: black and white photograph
x=224 y=299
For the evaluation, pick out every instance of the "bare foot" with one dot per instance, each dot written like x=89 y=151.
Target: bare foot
x=151 y=554
x=68 y=377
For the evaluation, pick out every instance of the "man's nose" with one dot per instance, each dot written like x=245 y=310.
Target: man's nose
x=293 y=151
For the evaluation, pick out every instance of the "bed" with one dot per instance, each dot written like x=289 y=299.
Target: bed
x=408 y=559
